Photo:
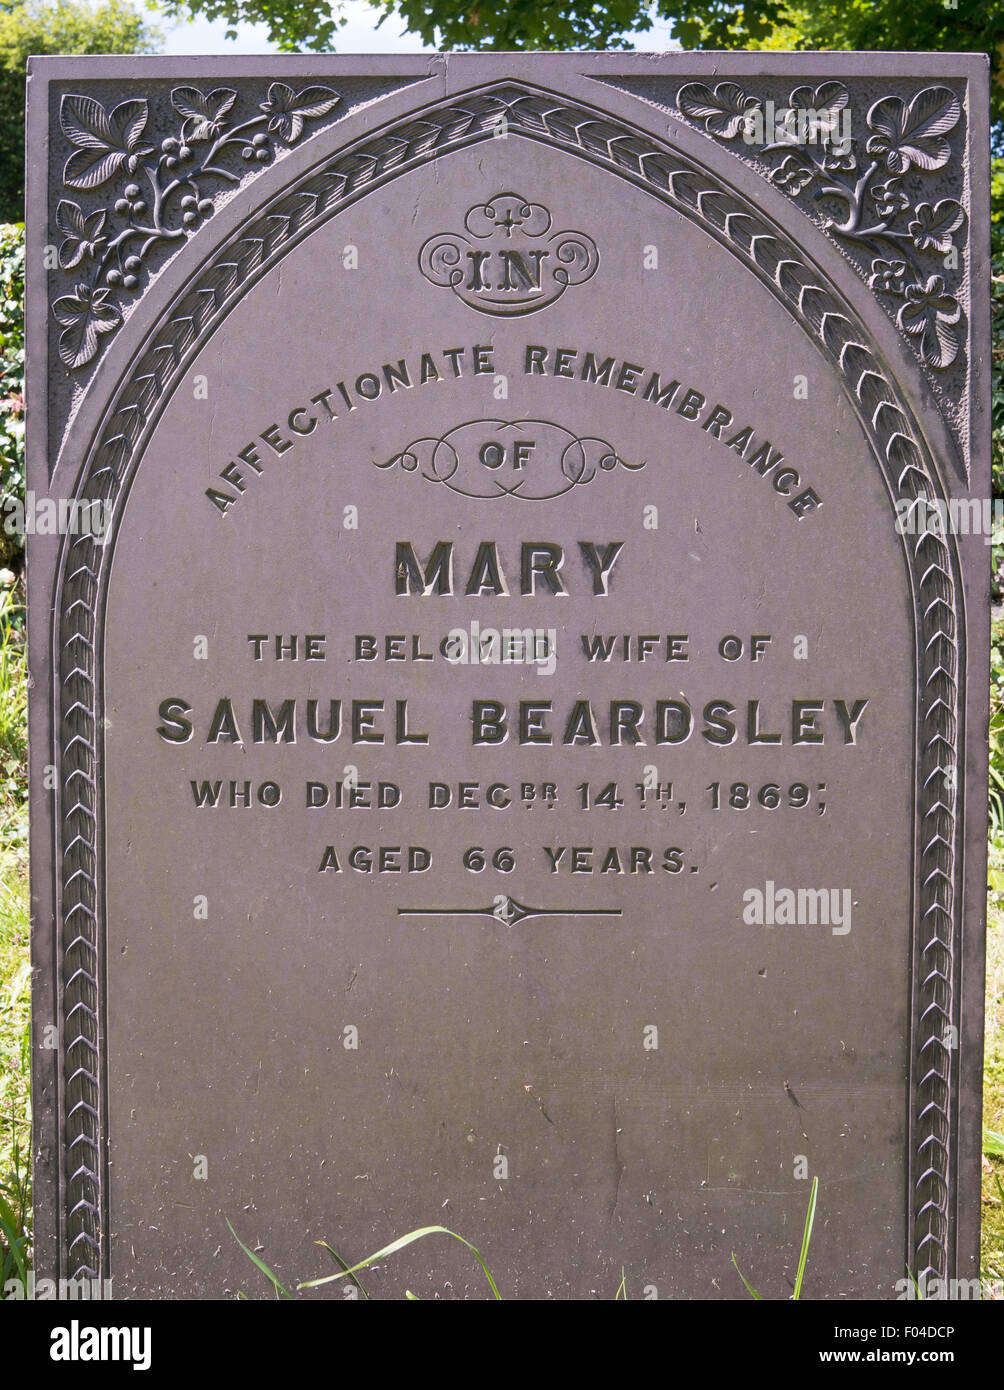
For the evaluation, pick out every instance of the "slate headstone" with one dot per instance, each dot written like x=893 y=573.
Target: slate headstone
x=508 y=584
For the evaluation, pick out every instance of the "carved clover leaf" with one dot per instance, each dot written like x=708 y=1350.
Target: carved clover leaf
x=914 y=134
x=929 y=314
x=106 y=141
x=289 y=110
x=723 y=110
x=830 y=96
x=792 y=174
x=203 y=114
x=887 y=277
x=835 y=163
x=933 y=228
x=87 y=315
x=82 y=234
x=890 y=198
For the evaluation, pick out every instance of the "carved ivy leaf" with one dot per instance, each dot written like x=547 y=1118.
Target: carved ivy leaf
x=289 y=110
x=106 y=141
x=82 y=233
x=914 y=134
x=723 y=110
x=203 y=114
x=933 y=228
x=86 y=314
x=929 y=313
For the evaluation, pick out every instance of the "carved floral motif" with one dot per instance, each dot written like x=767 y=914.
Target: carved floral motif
x=165 y=198
x=864 y=178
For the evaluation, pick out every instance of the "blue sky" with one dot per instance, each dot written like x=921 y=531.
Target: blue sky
x=360 y=35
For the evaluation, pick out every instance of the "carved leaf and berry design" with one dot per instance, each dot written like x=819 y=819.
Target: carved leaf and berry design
x=87 y=315
x=861 y=183
x=164 y=190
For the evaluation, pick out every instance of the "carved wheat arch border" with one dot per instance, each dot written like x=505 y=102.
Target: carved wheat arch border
x=804 y=289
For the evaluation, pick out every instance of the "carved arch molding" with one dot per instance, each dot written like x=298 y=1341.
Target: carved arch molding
x=901 y=453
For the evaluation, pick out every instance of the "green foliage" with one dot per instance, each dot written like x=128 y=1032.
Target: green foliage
x=993 y=1143
x=13 y=720
x=53 y=26
x=997 y=347
x=15 y=1068
x=971 y=26
x=15 y=969
x=11 y=380
x=997 y=731
x=993 y=1073
x=15 y=1220
x=296 y=25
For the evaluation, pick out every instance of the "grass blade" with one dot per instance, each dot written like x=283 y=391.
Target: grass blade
x=344 y=1267
x=16 y=1243
x=749 y=1287
x=810 y=1217
x=993 y=1143
x=400 y=1244
x=261 y=1265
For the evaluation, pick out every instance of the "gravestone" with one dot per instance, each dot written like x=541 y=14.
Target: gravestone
x=508 y=585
